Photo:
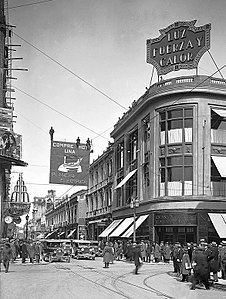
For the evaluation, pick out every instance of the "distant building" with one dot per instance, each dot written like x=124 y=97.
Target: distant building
x=99 y=194
x=65 y=217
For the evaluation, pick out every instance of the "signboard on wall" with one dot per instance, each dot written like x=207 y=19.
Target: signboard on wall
x=179 y=46
x=69 y=163
x=10 y=144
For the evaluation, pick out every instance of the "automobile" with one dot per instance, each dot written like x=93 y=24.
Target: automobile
x=57 y=250
x=96 y=247
x=82 y=249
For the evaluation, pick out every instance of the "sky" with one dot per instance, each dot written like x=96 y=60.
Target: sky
x=86 y=62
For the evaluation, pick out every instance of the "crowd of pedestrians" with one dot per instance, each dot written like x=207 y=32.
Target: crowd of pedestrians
x=191 y=262
x=24 y=250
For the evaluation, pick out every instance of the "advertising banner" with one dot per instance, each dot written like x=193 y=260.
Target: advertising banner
x=18 y=208
x=179 y=46
x=69 y=163
x=10 y=144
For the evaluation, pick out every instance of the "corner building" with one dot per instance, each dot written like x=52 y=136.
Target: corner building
x=170 y=154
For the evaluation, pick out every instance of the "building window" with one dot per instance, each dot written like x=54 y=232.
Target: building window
x=131 y=189
x=133 y=149
x=176 y=161
x=146 y=169
x=218 y=126
x=120 y=155
x=109 y=167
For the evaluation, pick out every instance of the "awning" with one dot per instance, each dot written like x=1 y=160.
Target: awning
x=126 y=178
x=71 y=233
x=110 y=228
x=220 y=112
x=51 y=233
x=122 y=227
x=220 y=163
x=130 y=230
x=219 y=222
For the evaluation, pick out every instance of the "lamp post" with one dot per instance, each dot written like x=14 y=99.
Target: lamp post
x=27 y=218
x=134 y=204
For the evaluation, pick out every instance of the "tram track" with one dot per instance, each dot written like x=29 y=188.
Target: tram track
x=114 y=280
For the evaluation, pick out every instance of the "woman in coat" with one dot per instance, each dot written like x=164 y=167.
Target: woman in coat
x=214 y=262
x=31 y=251
x=167 y=252
x=157 y=254
x=107 y=253
x=185 y=265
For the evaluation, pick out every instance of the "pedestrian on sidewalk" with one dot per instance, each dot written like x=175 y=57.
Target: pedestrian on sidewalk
x=23 y=252
x=214 y=262
x=200 y=262
x=137 y=256
x=185 y=265
x=6 y=256
x=37 y=252
x=107 y=252
x=31 y=251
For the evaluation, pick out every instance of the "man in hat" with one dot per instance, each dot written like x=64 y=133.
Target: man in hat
x=222 y=259
x=200 y=261
x=137 y=256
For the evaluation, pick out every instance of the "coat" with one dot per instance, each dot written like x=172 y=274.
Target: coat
x=7 y=254
x=185 y=260
x=201 y=264
x=31 y=250
x=137 y=255
x=214 y=262
x=143 y=250
x=222 y=257
x=167 y=252
x=107 y=253
x=157 y=254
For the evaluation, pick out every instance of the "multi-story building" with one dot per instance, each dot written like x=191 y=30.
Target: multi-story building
x=10 y=143
x=38 y=227
x=170 y=161
x=99 y=193
x=65 y=217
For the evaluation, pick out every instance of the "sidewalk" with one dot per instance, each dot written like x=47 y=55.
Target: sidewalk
x=221 y=284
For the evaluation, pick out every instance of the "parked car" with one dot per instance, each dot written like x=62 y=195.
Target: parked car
x=82 y=249
x=97 y=249
x=57 y=250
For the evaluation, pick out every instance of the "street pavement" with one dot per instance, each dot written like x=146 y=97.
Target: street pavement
x=88 y=279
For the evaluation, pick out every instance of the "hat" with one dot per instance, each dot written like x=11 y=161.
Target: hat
x=223 y=243
x=214 y=243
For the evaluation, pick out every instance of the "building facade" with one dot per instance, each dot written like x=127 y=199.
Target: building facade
x=10 y=143
x=99 y=194
x=65 y=217
x=170 y=155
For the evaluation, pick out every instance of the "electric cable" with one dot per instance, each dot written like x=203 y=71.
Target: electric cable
x=71 y=72
x=30 y=4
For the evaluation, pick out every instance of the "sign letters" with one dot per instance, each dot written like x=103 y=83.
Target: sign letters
x=179 y=46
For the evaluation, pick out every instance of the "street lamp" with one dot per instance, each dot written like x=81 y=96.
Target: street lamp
x=134 y=203
x=27 y=218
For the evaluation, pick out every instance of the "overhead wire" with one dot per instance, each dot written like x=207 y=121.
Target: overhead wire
x=30 y=4
x=73 y=73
